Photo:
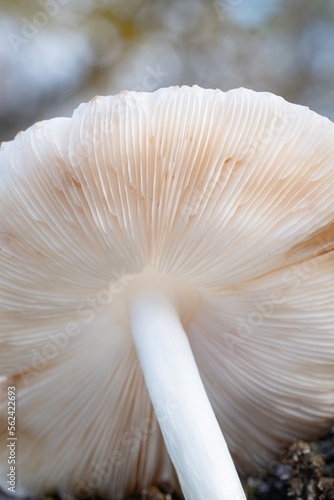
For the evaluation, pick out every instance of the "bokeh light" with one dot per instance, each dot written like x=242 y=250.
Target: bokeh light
x=55 y=54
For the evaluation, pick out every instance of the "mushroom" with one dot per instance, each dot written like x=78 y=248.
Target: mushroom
x=166 y=257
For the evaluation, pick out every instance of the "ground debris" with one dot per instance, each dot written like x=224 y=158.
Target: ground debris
x=304 y=472
x=154 y=493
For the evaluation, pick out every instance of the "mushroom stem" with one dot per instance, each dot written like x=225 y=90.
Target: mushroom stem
x=191 y=432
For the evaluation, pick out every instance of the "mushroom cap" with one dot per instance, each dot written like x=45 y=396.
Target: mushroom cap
x=231 y=193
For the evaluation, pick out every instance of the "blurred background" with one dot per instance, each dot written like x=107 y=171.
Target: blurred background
x=55 y=54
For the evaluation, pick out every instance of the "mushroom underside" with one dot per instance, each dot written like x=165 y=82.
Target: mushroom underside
x=166 y=263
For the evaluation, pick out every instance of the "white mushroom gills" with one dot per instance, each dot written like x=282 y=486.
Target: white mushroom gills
x=232 y=193
x=158 y=307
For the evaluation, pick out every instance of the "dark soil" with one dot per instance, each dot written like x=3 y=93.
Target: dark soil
x=305 y=471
